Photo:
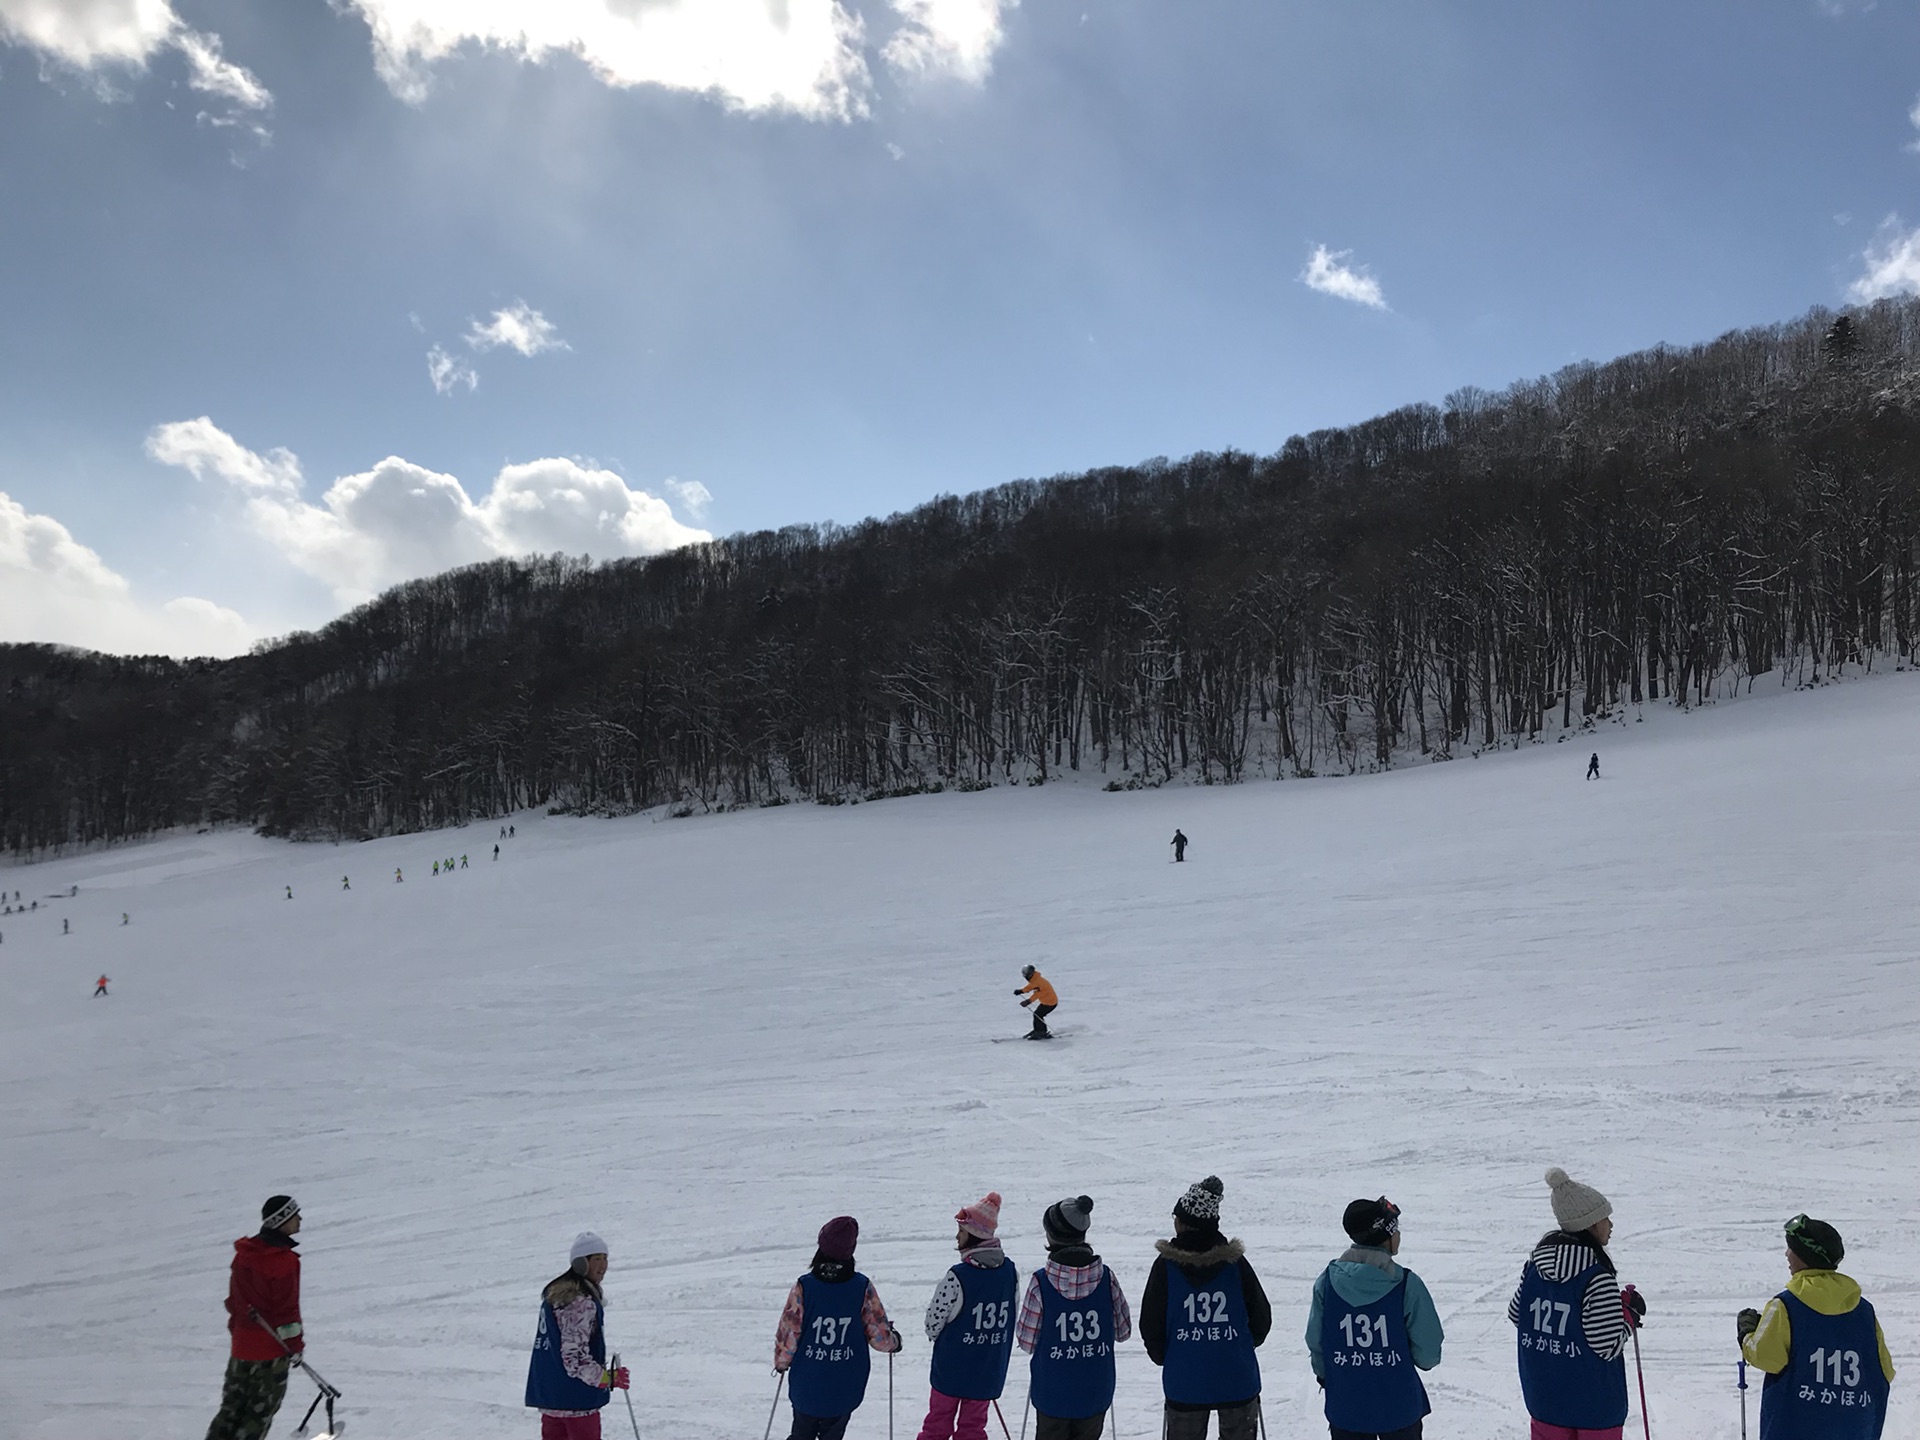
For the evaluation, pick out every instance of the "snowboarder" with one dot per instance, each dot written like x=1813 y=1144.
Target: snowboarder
x=1364 y=1304
x=1573 y=1323
x=1040 y=995
x=1201 y=1317
x=568 y=1381
x=1817 y=1338
x=1179 y=854
x=970 y=1322
x=833 y=1315
x=263 y=1318
x=1593 y=766
x=1073 y=1316
x=99 y=987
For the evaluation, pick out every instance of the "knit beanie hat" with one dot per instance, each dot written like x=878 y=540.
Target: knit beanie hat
x=1815 y=1242
x=278 y=1210
x=1576 y=1207
x=838 y=1237
x=1066 y=1221
x=981 y=1218
x=1371 y=1222
x=1200 y=1206
x=584 y=1244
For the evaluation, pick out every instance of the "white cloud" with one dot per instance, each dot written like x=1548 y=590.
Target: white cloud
x=399 y=521
x=94 y=35
x=803 y=56
x=450 y=372
x=54 y=590
x=1328 y=272
x=952 y=37
x=1893 y=264
x=690 y=495
x=518 y=327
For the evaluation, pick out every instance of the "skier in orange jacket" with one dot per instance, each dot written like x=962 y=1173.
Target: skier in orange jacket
x=1040 y=995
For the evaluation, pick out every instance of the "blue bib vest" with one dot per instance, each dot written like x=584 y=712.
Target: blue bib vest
x=1833 y=1388
x=970 y=1357
x=830 y=1367
x=1564 y=1382
x=549 y=1386
x=1372 y=1385
x=1072 y=1373
x=1210 y=1359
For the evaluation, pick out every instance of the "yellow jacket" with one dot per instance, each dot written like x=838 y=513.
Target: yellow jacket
x=1770 y=1348
x=1039 y=989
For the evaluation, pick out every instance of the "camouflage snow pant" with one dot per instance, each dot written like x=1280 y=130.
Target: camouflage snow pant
x=249 y=1399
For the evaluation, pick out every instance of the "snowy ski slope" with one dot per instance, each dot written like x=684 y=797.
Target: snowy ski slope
x=1691 y=983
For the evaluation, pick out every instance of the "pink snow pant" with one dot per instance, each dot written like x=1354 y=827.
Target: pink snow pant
x=951 y=1418
x=570 y=1427
x=1544 y=1431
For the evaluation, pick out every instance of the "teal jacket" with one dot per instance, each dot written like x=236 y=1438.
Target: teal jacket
x=1363 y=1275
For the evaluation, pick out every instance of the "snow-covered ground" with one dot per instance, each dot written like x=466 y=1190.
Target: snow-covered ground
x=1691 y=983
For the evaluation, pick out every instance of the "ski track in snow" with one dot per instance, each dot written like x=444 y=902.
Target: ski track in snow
x=1693 y=986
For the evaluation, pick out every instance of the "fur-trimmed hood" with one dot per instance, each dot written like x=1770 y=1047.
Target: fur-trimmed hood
x=1227 y=1252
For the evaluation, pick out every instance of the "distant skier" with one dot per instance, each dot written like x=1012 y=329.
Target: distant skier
x=1040 y=995
x=568 y=1381
x=1365 y=1304
x=124 y=919
x=1073 y=1315
x=345 y=883
x=436 y=867
x=289 y=892
x=1179 y=846
x=66 y=927
x=1570 y=1292
x=510 y=832
x=1817 y=1339
x=496 y=852
x=398 y=879
x=463 y=862
x=832 y=1317
x=1593 y=766
x=503 y=835
x=1201 y=1318
x=263 y=1319
x=970 y=1322
x=99 y=987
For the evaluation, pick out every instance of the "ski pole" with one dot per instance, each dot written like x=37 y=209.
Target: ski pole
x=1743 y=1398
x=1634 y=1330
x=631 y=1418
x=1009 y=1434
x=1023 y=1418
x=328 y=1393
x=1261 y=1411
x=890 y=1395
x=775 y=1406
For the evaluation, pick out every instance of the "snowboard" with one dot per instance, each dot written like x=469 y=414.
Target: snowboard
x=1003 y=1039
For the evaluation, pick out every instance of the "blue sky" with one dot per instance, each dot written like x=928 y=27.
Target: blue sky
x=299 y=298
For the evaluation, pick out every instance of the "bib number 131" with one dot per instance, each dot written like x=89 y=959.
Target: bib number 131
x=1363 y=1332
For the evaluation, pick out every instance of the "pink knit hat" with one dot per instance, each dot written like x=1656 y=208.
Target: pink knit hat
x=982 y=1217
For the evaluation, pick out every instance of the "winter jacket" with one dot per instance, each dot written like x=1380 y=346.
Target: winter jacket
x=948 y=1297
x=1202 y=1254
x=1076 y=1272
x=266 y=1283
x=1364 y=1274
x=1770 y=1348
x=1560 y=1257
x=1040 y=991
x=881 y=1335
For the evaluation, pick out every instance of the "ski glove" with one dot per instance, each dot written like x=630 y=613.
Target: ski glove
x=1025 y=1003
x=1746 y=1322
x=616 y=1379
x=1633 y=1307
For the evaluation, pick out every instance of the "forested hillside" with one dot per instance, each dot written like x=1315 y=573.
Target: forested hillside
x=1441 y=578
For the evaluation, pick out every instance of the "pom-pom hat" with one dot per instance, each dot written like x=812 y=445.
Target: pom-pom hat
x=1576 y=1207
x=982 y=1218
x=1201 y=1204
x=1066 y=1221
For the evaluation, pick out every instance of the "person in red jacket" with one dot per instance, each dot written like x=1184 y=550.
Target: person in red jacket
x=263 y=1317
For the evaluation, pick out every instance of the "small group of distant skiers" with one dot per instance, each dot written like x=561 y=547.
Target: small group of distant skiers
x=1371 y=1330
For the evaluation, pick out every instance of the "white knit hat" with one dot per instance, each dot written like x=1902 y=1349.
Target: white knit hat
x=584 y=1244
x=1576 y=1207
